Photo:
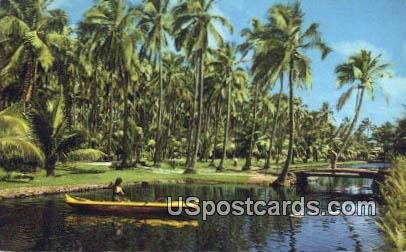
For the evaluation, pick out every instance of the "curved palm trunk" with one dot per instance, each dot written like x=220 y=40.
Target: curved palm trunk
x=275 y=122
x=126 y=123
x=192 y=166
x=248 y=160
x=280 y=181
x=157 y=154
x=226 y=129
x=335 y=156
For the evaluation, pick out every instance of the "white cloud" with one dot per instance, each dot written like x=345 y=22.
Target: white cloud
x=347 y=48
x=395 y=89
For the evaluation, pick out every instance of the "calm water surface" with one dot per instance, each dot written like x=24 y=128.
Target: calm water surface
x=47 y=223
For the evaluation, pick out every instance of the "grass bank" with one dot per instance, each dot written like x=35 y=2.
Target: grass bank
x=95 y=175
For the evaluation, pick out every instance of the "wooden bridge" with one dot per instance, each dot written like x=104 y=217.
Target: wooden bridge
x=376 y=175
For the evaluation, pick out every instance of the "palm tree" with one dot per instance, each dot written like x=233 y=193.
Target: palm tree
x=363 y=71
x=267 y=164
x=253 y=43
x=17 y=140
x=113 y=38
x=234 y=77
x=367 y=125
x=267 y=66
x=49 y=126
x=288 y=30
x=155 y=22
x=29 y=28
x=193 y=24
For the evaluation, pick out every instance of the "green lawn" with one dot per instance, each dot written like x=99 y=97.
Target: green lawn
x=170 y=172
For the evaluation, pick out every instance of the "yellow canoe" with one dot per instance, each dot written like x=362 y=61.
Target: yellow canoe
x=125 y=207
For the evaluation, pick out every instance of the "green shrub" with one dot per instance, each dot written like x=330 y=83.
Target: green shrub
x=393 y=221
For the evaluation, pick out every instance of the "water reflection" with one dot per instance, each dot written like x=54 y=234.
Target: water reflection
x=49 y=224
x=119 y=222
x=340 y=186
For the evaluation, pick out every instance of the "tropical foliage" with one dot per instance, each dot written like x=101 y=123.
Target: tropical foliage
x=393 y=221
x=17 y=141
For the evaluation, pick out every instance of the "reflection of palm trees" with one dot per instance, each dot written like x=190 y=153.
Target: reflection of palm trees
x=292 y=235
x=49 y=228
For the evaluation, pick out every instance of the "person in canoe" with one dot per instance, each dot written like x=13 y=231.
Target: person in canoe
x=118 y=193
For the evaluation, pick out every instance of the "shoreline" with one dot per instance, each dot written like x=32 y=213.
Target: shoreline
x=31 y=192
x=72 y=181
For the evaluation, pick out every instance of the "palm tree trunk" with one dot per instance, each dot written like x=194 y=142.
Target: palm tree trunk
x=358 y=107
x=93 y=110
x=193 y=118
x=50 y=163
x=248 y=160
x=226 y=129
x=275 y=122
x=192 y=167
x=280 y=181
x=157 y=154
x=126 y=123
x=29 y=81
x=216 y=127
x=110 y=115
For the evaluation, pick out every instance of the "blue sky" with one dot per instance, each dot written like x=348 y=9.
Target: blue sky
x=347 y=26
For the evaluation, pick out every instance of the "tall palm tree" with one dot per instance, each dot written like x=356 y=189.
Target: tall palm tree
x=233 y=77
x=28 y=29
x=155 y=22
x=253 y=44
x=267 y=164
x=192 y=27
x=269 y=62
x=113 y=38
x=288 y=31
x=363 y=72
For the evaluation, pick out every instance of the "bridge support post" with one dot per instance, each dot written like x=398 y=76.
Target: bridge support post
x=301 y=181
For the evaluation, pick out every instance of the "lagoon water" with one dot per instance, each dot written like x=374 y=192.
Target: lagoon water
x=47 y=223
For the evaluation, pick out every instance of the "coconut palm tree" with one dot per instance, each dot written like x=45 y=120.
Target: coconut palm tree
x=233 y=77
x=155 y=21
x=253 y=44
x=192 y=27
x=269 y=62
x=290 y=33
x=28 y=29
x=362 y=71
x=267 y=164
x=112 y=41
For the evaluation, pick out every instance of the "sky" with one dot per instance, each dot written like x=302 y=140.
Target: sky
x=347 y=26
